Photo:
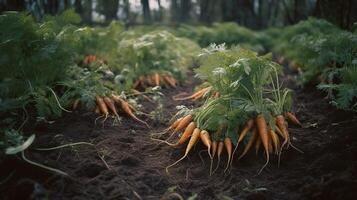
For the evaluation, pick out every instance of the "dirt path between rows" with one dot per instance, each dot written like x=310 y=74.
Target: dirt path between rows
x=326 y=170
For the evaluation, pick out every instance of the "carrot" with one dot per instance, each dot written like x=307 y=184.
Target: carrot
x=110 y=104
x=193 y=140
x=263 y=133
x=75 y=103
x=281 y=124
x=258 y=142
x=169 y=81
x=275 y=140
x=199 y=94
x=96 y=109
x=175 y=124
x=172 y=79
x=126 y=108
x=185 y=136
x=102 y=106
x=229 y=147
x=204 y=135
x=292 y=118
x=244 y=132
x=219 y=153
x=157 y=79
x=250 y=143
x=183 y=123
x=214 y=149
x=270 y=145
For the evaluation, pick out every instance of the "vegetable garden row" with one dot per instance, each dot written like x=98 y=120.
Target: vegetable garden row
x=57 y=66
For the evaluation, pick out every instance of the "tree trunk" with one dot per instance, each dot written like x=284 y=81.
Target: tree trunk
x=14 y=5
x=185 y=10
x=127 y=11
x=174 y=11
x=337 y=12
x=146 y=11
x=111 y=9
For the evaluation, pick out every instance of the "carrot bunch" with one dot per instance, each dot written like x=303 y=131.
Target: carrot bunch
x=155 y=79
x=251 y=110
x=108 y=105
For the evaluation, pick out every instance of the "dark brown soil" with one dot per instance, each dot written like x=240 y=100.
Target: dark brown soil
x=326 y=170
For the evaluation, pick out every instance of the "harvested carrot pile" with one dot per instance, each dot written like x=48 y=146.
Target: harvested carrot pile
x=250 y=113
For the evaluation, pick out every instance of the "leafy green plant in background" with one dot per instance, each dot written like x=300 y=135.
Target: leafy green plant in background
x=325 y=54
x=228 y=33
x=155 y=52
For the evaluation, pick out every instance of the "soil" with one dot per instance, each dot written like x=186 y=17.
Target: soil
x=136 y=165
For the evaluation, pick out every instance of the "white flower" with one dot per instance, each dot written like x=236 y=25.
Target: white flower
x=219 y=71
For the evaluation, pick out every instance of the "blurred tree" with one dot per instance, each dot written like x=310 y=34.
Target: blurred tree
x=185 y=9
x=174 y=11
x=108 y=8
x=146 y=11
x=16 y=5
x=340 y=12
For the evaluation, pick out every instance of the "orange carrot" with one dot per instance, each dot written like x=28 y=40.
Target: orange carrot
x=275 y=140
x=169 y=81
x=183 y=123
x=96 y=109
x=292 y=118
x=281 y=124
x=199 y=93
x=102 y=106
x=204 y=135
x=258 y=142
x=219 y=153
x=263 y=133
x=172 y=79
x=157 y=79
x=250 y=143
x=244 y=132
x=193 y=140
x=186 y=134
x=214 y=149
x=110 y=104
x=229 y=147
x=76 y=103
x=175 y=124
x=126 y=108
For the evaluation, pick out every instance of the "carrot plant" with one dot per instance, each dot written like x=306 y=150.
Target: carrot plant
x=154 y=59
x=250 y=109
x=34 y=58
x=324 y=54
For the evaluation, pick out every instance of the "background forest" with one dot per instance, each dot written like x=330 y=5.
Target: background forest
x=256 y=14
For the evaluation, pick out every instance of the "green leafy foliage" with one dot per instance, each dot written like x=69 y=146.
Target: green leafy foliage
x=228 y=33
x=154 y=52
x=326 y=55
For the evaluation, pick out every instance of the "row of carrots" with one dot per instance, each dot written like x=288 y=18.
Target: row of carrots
x=106 y=105
x=155 y=79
